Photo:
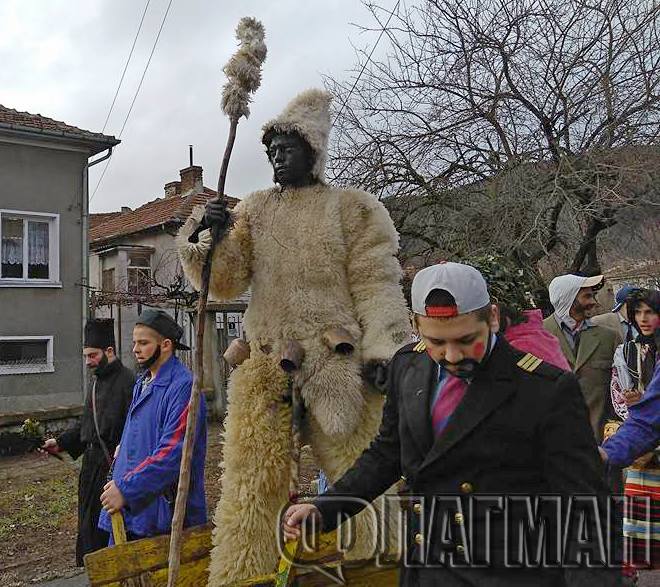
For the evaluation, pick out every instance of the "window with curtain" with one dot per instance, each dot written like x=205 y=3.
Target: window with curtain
x=25 y=246
x=12 y=247
x=38 y=253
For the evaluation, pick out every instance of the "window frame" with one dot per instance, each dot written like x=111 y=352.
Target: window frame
x=146 y=271
x=139 y=271
x=53 y=249
x=47 y=367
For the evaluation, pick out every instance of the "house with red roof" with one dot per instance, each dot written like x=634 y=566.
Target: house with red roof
x=134 y=264
x=43 y=260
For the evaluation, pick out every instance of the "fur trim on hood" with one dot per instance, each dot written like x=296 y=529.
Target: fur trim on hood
x=308 y=115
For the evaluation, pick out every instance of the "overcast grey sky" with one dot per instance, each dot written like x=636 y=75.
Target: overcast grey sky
x=64 y=58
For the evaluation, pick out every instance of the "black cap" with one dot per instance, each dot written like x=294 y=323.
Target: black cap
x=164 y=325
x=100 y=333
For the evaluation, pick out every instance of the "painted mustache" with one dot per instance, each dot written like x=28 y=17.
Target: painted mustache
x=464 y=369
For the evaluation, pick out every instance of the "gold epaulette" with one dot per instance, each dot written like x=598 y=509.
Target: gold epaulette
x=529 y=363
x=420 y=347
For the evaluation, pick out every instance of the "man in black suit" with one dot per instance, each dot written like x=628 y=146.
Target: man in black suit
x=478 y=431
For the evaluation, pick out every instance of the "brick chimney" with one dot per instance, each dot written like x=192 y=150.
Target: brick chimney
x=191 y=180
x=172 y=189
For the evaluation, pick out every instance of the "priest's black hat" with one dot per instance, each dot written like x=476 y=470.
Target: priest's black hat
x=100 y=333
x=164 y=325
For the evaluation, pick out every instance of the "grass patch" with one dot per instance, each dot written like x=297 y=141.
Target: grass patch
x=43 y=505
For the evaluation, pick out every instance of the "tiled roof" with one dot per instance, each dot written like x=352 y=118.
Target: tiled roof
x=24 y=121
x=98 y=219
x=174 y=209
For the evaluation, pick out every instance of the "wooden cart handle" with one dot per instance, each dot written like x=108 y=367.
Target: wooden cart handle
x=118 y=528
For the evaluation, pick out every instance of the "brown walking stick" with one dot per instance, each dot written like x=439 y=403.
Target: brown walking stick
x=244 y=77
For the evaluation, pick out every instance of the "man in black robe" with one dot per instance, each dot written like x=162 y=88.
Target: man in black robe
x=97 y=434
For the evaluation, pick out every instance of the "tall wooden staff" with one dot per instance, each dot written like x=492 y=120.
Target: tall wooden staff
x=243 y=71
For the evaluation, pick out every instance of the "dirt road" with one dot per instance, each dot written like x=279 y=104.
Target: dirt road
x=38 y=509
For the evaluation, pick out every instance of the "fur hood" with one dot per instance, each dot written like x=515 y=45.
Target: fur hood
x=308 y=115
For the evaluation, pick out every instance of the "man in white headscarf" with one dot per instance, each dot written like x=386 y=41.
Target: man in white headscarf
x=588 y=348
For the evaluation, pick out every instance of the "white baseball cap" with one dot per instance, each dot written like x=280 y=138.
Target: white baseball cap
x=466 y=285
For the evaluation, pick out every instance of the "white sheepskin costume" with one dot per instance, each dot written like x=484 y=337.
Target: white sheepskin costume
x=315 y=258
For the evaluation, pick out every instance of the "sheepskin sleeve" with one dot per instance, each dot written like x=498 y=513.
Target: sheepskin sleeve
x=232 y=257
x=374 y=275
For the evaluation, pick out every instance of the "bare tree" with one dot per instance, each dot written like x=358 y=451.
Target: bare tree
x=505 y=123
x=162 y=284
x=169 y=281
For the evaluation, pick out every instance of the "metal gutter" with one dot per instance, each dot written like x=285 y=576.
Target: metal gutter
x=85 y=245
x=84 y=136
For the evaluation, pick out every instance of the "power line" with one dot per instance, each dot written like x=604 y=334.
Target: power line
x=144 y=73
x=123 y=73
x=137 y=91
x=98 y=183
x=364 y=66
x=368 y=60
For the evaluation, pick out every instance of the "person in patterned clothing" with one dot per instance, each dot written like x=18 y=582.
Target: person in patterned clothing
x=634 y=364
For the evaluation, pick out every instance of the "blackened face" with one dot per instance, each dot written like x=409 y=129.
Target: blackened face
x=291 y=159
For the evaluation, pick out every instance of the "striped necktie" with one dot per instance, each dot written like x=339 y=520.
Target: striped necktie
x=450 y=396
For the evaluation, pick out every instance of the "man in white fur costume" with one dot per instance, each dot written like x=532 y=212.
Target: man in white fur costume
x=318 y=259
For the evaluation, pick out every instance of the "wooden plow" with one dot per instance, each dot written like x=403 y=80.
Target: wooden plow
x=144 y=563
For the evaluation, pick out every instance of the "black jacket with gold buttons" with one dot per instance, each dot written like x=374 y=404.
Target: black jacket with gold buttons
x=522 y=429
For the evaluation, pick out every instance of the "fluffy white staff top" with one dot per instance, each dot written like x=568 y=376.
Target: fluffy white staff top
x=243 y=70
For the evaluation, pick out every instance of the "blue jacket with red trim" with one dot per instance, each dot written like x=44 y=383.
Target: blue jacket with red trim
x=146 y=470
x=640 y=433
